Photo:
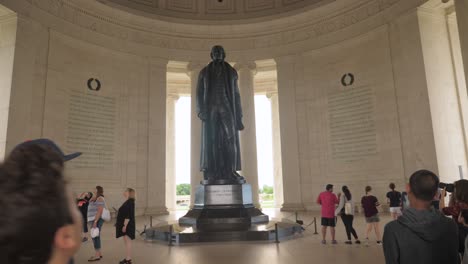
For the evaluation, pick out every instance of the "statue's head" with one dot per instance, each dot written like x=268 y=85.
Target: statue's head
x=217 y=53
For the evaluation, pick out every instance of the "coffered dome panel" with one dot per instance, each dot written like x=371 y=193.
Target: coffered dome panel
x=216 y=10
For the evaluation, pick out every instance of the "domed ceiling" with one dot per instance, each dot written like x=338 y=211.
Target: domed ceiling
x=215 y=10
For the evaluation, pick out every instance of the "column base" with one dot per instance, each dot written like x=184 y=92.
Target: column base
x=292 y=207
x=156 y=211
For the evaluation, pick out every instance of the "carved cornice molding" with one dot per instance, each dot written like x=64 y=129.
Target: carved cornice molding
x=246 y=66
x=197 y=38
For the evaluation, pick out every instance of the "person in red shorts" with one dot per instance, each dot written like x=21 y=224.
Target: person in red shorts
x=328 y=201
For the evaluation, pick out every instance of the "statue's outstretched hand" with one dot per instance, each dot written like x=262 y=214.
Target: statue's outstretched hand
x=240 y=126
x=202 y=116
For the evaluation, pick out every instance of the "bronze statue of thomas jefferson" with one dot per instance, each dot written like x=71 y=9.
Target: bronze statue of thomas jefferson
x=219 y=108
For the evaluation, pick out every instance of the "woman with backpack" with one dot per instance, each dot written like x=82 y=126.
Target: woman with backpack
x=346 y=210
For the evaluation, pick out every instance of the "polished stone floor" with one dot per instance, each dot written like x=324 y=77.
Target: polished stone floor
x=304 y=249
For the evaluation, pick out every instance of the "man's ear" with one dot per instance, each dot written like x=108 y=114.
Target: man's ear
x=408 y=189
x=65 y=238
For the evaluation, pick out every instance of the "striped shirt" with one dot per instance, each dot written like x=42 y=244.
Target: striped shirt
x=93 y=208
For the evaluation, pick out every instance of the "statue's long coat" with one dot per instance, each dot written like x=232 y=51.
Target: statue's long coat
x=203 y=105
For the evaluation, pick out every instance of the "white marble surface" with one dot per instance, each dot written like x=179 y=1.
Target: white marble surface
x=304 y=249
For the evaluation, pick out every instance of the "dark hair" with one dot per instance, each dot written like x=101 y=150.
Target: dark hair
x=461 y=190
x=368 y=189
x=346 y=192
x=329 y=187
x=34 y=204
x=464 y=214
x=392 y=186
x=424 y=185
x=99 y=191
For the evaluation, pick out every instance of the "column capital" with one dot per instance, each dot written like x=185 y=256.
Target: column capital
x=158 y=62
x=246 y=65
x=270 y=94
x=172 y=96
x=286 y=59
x=195 y=67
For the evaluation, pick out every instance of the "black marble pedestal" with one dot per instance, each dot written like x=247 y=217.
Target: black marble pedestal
x=223 y=212
x=223 y=208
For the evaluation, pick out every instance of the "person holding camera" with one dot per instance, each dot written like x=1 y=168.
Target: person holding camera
x=463 y=220
x=422 y=234
x=458 y=201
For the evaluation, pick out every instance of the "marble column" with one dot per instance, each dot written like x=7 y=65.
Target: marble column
x=196 y=175
x=171 y=101
x=288 y=78
x=276 y=142
x=248 y=137
x=157 y=138
x=461 y=10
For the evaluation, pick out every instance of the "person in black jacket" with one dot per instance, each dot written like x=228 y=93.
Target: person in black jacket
x=125 y=226
x=422 y=235
x=83 y=203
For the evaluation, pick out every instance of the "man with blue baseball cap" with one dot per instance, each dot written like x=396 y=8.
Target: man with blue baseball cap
x=42 y=220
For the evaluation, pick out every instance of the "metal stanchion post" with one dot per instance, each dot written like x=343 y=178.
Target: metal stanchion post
x=151 y=221
x=315 y=226
x=276 y=233
x=170 y=235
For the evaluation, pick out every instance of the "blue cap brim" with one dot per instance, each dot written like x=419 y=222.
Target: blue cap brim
x=71 y=156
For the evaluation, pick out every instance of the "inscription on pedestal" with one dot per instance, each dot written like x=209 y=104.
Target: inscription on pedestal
x=223 y=194
x=91 y=129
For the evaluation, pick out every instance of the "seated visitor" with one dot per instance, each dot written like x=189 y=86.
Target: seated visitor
x=422 y=234
x=328 y=201
x=39 y=218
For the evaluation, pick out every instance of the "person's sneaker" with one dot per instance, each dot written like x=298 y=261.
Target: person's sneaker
x=334 y=242
x=324 y=242
x=348 y=242
x=367 y=242
x=85 y=239
x=379 y=242
x=357 y=242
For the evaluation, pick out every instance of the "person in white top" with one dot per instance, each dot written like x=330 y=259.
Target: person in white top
x=346 y=210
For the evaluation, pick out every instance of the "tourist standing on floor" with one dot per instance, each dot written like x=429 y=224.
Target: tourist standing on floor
x=458 y=201
x=83 y=203
x=125 y=226
x=436 y=199
x=95 y=209
x=394 y=201
x=40 y=223
x=328 y=201
x=346 y=210
x=370 y=204
x=463 y=219
x=405 y=204
x=422 y=235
